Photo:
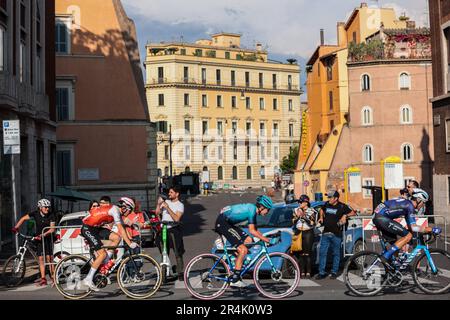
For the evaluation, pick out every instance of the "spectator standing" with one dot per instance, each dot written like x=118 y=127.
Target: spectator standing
x=304 y=222
x=333 y=216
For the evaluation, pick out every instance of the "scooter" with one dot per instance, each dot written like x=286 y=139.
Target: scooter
x=166 y=265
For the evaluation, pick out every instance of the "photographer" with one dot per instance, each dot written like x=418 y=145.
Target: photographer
x=171 y=210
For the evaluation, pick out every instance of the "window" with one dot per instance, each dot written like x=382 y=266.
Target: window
x=204 y=100
x=261 y=104
x=186 y=99
x=274 y=81
x=166 y=152
x=247 y=102
x=275 y=104
x=368 y=182
x=276 y=153
x=406 y=115
x=63 y=104
x=220 y=152
x=233 y=102
x=166 y=171
x=161 y=126
x=331 y=125
x=235 y=173
x=262 y=172
x=247 y=79
x=261 y=80
x=187 y=126
x=234 y=126
x=235 y=150
x=263 y=152
x=186 y=74
x=248 y=128
x=329 y=70
x=62 y=35
x=366 y=116
x=407 y=152
x=405 y=81
x=205 y=127
x=447 y=130
x=203 y=75
x=219 y=101
x=23 y=62
x=248 y=150
x=365 y=82
x=220 y=173
x=39 y=79
x=227 y=55
x=187 y=152
x=205 y=152
x=183 y=52
x=64 y=166
x=368 y=153
x=233 y=78
x=289 y=82
x=275 y=130
x=330 y=98
x=2 y=48
x=291 y=130
x=187 y=170
x=161 y=100
x=218 y=77
x=198 y=52
x=262 y=129
x=290 y=105
x=160 y=75
x=354 y=36
x=220 y=128
x=249 y=173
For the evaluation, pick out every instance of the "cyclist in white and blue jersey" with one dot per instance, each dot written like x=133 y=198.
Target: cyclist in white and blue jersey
x=230 y=216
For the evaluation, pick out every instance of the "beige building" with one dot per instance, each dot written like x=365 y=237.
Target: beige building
x=233 y=113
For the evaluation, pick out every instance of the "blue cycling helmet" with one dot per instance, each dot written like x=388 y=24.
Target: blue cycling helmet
x=265 y=201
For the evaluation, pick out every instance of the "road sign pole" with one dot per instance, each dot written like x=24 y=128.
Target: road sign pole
x=14 y=196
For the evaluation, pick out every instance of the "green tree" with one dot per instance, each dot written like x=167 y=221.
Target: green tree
x=289 y=162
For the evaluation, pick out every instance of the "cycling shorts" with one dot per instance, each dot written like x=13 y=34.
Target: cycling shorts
x=95 y=235
x=47 y=245
x=389 y=228
x=235 y=235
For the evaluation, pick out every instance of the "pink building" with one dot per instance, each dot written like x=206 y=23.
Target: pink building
x=390 y=114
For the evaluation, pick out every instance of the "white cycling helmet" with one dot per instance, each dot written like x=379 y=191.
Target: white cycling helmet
x=420 y=195
x=44 y=203
x=127 y=203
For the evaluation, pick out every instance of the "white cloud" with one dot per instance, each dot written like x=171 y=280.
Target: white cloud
x=289 y=27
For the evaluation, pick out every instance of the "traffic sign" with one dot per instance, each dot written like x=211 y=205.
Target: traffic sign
x=11 y=136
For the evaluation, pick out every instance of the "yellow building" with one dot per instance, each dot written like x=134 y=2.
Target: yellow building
x=328 y=99
x=233 y=113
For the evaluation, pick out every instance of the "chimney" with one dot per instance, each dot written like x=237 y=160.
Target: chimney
x=410 y=24
x=363 y=4
x=322 y=37
x=342 y=34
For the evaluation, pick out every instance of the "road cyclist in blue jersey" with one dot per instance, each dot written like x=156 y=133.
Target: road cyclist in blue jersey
x=226 y=225
x=389 y=210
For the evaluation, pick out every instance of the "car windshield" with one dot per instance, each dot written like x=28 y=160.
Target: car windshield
x=71 y=223
x=277 y=218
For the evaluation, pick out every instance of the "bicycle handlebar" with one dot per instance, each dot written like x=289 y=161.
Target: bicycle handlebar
x=25 y=237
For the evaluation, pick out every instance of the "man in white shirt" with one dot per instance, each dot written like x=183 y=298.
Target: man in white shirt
x=172 y=210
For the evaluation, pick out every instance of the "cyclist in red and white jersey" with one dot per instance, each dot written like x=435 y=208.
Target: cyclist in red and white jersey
x=93 y=231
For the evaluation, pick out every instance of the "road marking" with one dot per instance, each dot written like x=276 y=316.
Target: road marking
x=29 y=288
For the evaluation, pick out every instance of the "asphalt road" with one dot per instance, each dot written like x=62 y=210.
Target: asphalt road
x=200 y=215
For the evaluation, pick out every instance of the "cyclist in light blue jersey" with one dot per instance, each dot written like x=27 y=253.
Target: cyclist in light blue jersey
x=230 y=216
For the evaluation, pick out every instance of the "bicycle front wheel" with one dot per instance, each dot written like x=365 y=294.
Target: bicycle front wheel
x=139 y=276
x=365 y=274
x=69 y=273
x=14 y=271
x=428 y=281
x=206 y=276
x=277 y=275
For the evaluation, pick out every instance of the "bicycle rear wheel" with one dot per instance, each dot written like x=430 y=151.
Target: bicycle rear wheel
x=14 y=271
x=69 y=273
x=365 y=274
x=139 y=276
x=278 y=276
x=206 y=276
x=424 y=277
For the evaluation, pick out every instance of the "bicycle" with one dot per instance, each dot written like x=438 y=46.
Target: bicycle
x=428 y=266
x=276 y=275
x=15 y=267
x=138 y=275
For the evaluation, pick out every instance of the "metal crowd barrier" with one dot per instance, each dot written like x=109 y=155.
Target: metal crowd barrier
x=370 y=238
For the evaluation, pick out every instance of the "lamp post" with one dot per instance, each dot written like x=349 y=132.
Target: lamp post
x=170 y=149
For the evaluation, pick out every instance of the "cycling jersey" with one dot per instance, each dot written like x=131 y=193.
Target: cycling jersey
x=240 y=213
x=103 y=215
x=397 y=208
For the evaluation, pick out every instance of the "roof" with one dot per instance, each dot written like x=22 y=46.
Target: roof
x=325 y=158
x=352 y=17
x=316 y=54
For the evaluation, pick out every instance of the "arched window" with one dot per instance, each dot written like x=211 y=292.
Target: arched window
x=405 y=81
x=407 y=152
x=368 y=153
x=235 y=173
x=366 y=116
x=365 y=82
x=249 y=173
x=406 y=115
x=220 y=173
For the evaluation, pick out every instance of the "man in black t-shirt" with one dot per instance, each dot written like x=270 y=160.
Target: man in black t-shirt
x=43 y=219
x=333 y=216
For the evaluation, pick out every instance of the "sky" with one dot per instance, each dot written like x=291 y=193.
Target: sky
x=286 y=28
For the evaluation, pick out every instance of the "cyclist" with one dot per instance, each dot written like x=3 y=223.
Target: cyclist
x=43 y=218
x=386 y=212
x=232 y=215
x=93 y=231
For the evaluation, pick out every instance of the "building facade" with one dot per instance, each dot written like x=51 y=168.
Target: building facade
x=106 y=143
x=27 y=81
x=232 y=113
x=440 y=34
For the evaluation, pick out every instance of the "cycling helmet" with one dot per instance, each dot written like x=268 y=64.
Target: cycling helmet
x=44 y=203
x=420 y=195
x=303 y=198
x=264 y=201
x=127 y=203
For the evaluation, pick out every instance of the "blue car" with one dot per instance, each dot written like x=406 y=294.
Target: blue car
x=279 y=219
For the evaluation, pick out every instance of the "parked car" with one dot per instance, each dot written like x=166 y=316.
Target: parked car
x=279 y=219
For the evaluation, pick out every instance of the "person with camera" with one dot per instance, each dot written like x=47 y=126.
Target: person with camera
x=171 y=209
